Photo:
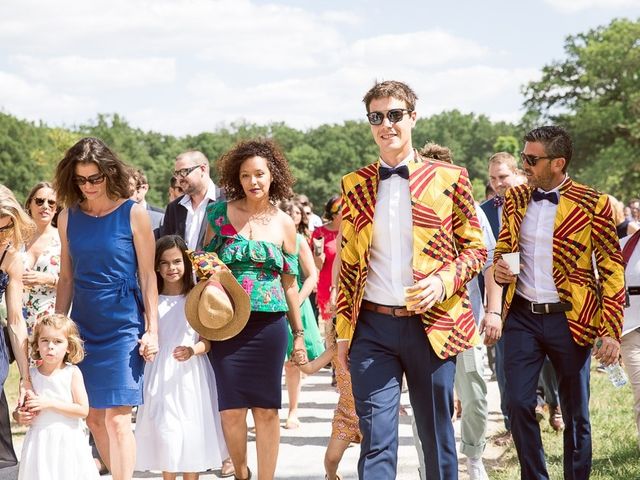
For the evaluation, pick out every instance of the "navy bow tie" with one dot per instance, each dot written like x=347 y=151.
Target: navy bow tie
x=401 y=171
x=537 y=195
x=498 y=201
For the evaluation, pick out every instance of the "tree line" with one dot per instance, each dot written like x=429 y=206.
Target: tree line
x=594 y=92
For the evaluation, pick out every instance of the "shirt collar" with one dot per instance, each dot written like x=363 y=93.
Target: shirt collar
x=557 y=189
x=405 y=161
x=209 y=195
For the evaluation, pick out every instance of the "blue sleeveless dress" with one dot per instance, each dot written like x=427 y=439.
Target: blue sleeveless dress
x=107 y=305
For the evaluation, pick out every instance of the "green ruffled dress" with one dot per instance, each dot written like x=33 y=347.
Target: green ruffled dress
x=312 y=338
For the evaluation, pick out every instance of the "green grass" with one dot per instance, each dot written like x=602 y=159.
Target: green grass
x=11 y=391
x=614 y=436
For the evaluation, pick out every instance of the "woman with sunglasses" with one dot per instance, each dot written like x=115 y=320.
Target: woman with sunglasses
x=15 y=228
x=107 y=272
x=41 y=256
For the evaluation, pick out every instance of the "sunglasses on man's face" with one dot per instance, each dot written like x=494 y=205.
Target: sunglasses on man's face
x=92 y=179
x=394 y=116
x=8 y=226
x=184 y=172
x=40 y=202
x=531 y=160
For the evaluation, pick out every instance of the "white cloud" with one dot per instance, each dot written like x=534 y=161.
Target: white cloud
x=239 y=32
x=420 y=49
x=36 y=101
x=184 y=66
x=74 y=71
x=572 y=6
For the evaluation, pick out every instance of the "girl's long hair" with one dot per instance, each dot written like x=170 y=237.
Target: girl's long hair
x=166 y=243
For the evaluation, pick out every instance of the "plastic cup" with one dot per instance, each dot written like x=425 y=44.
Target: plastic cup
x=513 y=260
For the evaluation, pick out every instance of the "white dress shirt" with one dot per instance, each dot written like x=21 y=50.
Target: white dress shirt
x=391 y=261
x=632 y=279
x=195 y=217
x=535 y=281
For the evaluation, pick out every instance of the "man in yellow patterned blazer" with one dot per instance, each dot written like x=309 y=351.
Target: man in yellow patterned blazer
x=556 y=306
x=407 y=224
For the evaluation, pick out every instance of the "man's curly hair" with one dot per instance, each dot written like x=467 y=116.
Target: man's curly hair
x=229 y=169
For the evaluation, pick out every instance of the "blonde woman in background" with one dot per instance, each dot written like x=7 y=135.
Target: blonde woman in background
x=15 y=229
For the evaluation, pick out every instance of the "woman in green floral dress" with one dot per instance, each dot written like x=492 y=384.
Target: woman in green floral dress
x=257 y=242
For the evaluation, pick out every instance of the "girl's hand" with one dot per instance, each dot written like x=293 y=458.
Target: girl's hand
x=23 y=416
x=299 y=354
x=37 y=403
x=182 y=354
x=148 y=346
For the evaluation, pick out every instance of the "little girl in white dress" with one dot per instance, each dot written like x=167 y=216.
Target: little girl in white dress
x=178 y=428
x=56 y=446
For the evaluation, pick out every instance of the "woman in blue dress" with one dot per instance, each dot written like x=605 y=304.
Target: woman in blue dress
x=257 y=241
x=15 y=229
x=107 y=276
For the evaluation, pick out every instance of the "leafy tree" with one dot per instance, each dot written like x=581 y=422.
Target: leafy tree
x=595 y=93
x=507 y=143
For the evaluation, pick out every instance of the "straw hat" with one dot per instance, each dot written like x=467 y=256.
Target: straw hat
x=218 y=307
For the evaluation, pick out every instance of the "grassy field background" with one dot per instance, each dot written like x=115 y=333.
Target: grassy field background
x=614 y=434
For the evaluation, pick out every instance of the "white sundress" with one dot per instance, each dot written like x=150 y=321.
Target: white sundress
x=56 y=446
x=178 y=428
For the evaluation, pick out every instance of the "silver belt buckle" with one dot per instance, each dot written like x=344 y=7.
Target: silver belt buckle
x=533 y=305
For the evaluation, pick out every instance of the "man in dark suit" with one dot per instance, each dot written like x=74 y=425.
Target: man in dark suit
x=186 y=215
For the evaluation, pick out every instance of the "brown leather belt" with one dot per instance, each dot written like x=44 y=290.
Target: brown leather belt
x=386 y=310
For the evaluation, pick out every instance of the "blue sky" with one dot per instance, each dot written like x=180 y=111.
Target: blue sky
x=186 y=66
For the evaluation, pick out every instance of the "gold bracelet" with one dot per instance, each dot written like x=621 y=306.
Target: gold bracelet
x=297 y=333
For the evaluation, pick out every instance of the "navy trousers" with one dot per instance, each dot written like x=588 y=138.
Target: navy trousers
x=528 y=338
x=383 y=348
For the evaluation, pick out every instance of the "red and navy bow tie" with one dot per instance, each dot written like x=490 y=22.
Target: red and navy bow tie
x=498 y=201
x=401 y=171
x=537 y=195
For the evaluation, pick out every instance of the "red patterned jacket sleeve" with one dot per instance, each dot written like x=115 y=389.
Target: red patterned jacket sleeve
x=468 y=239
x=608 y=258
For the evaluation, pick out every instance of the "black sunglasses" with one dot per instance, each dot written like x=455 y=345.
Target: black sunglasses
x=394 y=116
x=93 y=179
x=183 y=172
x=40 y=202
x=531 y=160
x=8 y=226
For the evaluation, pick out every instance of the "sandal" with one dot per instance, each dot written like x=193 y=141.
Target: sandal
x=227 y=469
x=247 y=478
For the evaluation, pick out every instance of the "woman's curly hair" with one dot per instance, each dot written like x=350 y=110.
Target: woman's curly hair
x=229 y=169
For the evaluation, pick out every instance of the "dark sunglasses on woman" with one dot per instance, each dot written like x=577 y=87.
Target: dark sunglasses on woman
x=40 y=202
x=93 y=179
